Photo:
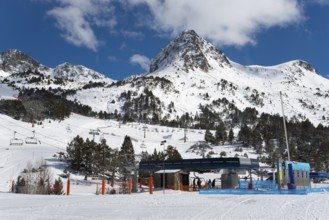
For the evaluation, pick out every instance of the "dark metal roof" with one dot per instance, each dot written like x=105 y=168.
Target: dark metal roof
x=204 y=165
x=319 y=175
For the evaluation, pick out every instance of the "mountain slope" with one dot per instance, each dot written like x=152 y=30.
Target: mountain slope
x=187 y=75
x=189 y=72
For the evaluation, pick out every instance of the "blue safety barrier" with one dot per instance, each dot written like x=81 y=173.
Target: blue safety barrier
x=258 y=184
x=320 y=189
x=254 y=191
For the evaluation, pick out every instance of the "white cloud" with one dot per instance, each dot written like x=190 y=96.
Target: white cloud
x=76 y=19
x=234 y=22
x=141 y=60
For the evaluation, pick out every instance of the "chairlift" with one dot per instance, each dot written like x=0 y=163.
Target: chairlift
x=68 y=129
x=101 y=137
x=16 y=141
x=94 y=132
x=143 y=146
x=31 y=140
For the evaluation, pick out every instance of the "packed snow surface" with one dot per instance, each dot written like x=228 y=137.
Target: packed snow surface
x=172 y=205
x=83 y=203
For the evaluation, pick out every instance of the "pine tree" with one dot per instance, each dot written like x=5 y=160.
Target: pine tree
x=199 y=148
x=88 y=149
x=231 y=136
x=145 y=156
x=127 y=156
x=173 y=154
x=155 y=155
x=209 y=137
x=75 y=152
x=245 y=135
x=256 y=141
x=112 y=162
x=220 y=135
x=127 y=151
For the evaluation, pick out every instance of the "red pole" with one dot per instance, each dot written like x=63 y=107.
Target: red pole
x=151 y=185
x=68 y=187
x=103 y=186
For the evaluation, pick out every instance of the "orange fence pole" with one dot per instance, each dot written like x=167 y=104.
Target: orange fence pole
x=68 y=187
x=130 y=185
x=103 y=186
x=151 y=185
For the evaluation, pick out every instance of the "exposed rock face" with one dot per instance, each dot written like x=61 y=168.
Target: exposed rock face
x=189 y=52
x=16 y=61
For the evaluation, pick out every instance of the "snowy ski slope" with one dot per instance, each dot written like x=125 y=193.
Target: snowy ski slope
x=84 y=204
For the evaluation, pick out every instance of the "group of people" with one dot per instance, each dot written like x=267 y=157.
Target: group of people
x=197 y=183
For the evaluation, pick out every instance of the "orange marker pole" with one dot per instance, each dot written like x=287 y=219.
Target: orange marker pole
x=130 y=185
x=103 y=186
x=68 y=187
x=151 y=185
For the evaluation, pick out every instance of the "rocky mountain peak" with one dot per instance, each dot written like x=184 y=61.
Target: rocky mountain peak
x=189 y=52
x=16 y=61
x=305 y=65
x=75 y=72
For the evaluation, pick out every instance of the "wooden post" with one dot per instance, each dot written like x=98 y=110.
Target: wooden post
x=130 y=185
x=103 y=186
x=151 y=185
x=68 y=187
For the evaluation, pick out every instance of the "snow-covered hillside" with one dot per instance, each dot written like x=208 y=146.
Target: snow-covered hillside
x=84 y=204
x=54 y=136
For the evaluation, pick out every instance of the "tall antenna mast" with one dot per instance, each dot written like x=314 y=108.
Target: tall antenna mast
x=285 y=128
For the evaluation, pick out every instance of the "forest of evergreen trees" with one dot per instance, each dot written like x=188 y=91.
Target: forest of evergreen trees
x=40 y=104
x=89 y=157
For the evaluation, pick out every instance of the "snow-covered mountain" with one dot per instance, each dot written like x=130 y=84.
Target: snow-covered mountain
x=188 y=73
x=189 y=52
x=20 y=70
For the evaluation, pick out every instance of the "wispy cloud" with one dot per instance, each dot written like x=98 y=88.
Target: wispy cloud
x=123 y=46
x=322 y=2
x=223 y=22
x=112 y=58
x=141 y=60
x=76 y=20
x=132 y=34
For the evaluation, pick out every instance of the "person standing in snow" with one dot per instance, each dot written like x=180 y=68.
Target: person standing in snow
x=199 y=183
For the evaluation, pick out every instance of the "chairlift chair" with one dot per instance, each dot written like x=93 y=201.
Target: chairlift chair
x=101 y=137
x=143 y=146
x=31 y=140
x=16 y=141
x=68 y=129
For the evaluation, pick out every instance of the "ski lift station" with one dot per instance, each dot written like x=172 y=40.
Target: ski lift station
x=290 y=177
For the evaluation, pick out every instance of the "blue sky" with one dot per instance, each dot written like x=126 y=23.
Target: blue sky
x=119 y=37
